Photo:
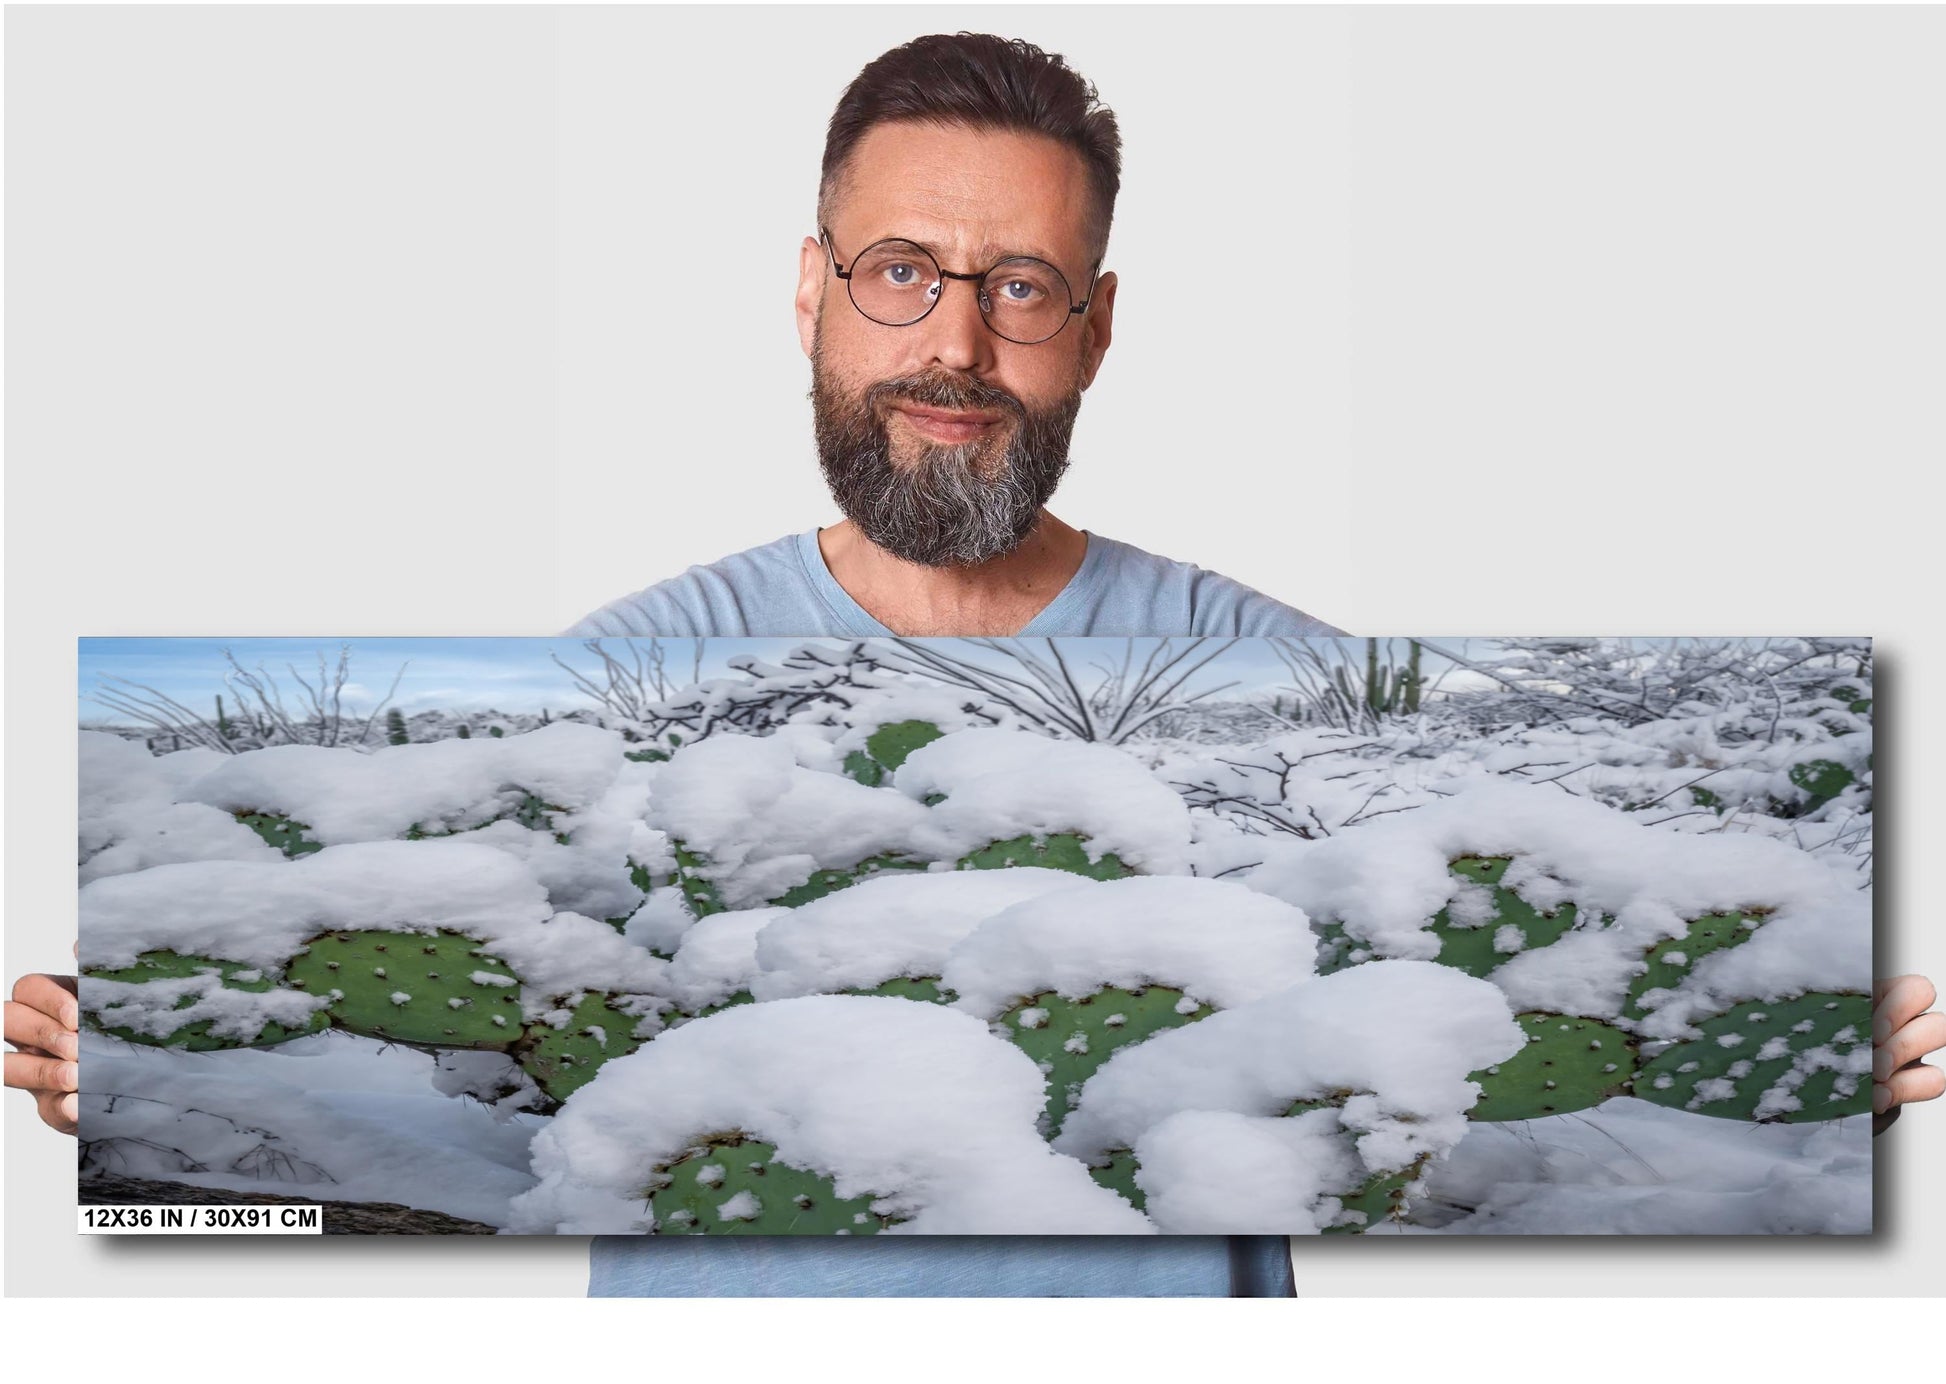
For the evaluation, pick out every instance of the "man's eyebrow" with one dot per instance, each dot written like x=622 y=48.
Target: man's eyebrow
x=988 y=254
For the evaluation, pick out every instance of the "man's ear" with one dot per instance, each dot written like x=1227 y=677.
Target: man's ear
x=1099 y=324
x=810 y=291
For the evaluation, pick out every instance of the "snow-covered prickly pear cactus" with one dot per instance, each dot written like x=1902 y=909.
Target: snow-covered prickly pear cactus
x=897 y=1111
x=751 y=825
x=292 y=838
x=1498 y=923
x=1060 y=851
x=887 y=748
x=732 y=1184
x=564 y=1057
x=443 y=989
x=1069 y=1039
x=1313 y=1108
x=192 y=990
x=1074 y=975
x=1807 y=1058
x=1634 y=956
x=890 y=935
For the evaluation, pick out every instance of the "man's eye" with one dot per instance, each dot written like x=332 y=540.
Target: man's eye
x=904 y=275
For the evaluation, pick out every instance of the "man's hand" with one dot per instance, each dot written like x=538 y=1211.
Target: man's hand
x=43 y=1020
x=1903 y=1033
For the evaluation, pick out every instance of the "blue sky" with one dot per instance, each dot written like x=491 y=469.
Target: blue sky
x=475 y=674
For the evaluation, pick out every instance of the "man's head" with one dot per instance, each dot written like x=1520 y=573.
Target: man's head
x=943 y=438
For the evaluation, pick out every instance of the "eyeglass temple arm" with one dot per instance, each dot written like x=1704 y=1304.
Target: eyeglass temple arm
x=831 y=250
x=1082 y=306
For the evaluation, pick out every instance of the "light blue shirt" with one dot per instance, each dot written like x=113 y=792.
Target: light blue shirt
x=783 y=588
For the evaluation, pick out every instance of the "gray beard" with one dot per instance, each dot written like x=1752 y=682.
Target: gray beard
x=944 y=510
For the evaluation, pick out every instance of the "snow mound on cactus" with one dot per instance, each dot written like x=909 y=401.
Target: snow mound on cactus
x=895 y=925
x=346 y=795
x=1216 y=1172
x=913 y=1104
x=764 y=822
x=1403 y=1036
x=263 y=914
x=1216 y=941
x=129 y=819
x=946 y=708
x=1002 y=784
x=718 y=956
x=1386 y=880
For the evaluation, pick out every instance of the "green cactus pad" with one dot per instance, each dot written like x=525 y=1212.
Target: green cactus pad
x=702 y=894
x=1568 y=1064
x=740 y=997
x=924 y=989
x=196 y=1037
x=864 y=768
x=563 y=1060
x=886 y=749
x=891 y=744
x=1062 y=851
x=831 y=881
x=1471 y=949
x=1336 y=948
x=1729 y=1079
x=731 y=1184
x=1118 y=1176
x=530 y=811
x=1707 y=934
x=1379 y=1199
x=368 y=969
x=1070 y=1039
x=283 y=833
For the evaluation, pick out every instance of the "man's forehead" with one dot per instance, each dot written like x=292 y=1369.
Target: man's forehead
x=966 y=193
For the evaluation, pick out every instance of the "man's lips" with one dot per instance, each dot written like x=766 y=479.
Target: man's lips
x=947 y=425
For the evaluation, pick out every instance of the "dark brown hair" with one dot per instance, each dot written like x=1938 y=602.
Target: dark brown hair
x=986 y=83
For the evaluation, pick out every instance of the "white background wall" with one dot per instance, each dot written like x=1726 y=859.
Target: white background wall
x=455 y=321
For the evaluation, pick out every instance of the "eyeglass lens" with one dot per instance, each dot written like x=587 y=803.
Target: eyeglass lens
x=896 y=282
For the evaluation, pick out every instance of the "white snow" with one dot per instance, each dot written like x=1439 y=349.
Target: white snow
x=1217 y=941
x=894 y=925
x=999 y=784
x=765 y=823
x=345 y=795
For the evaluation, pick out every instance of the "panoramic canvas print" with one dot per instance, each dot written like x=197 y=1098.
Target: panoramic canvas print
x=981 y=936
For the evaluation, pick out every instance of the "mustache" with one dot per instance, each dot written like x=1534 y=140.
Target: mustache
x=936 y=389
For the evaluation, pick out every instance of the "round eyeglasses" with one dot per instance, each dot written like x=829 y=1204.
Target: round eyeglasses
x=897 y=282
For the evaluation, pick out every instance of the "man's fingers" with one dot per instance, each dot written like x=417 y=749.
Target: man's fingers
x=1898 y=1002
x=1923 y=1035
x=1908 y=1084
x=52 y=995
x=31 y=1028
x=30 y=1073
x=59 y=1112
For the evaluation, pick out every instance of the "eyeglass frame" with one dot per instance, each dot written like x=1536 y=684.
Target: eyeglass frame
x=1074 y=309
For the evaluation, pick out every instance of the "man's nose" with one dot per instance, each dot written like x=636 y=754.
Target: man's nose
x=955 y=332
